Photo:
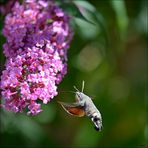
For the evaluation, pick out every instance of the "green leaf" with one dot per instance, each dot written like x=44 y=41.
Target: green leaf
x=73 y=9
x=84 y=11
x=121 y=16
x=92 y=16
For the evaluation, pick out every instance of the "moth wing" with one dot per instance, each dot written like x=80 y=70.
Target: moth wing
x=73 y=109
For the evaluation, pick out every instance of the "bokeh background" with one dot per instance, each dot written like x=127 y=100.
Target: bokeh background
x=111 y=58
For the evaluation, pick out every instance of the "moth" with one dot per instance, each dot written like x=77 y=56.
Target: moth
x=83 y=106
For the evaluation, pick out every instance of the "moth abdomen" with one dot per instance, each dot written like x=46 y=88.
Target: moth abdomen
x=97 y=120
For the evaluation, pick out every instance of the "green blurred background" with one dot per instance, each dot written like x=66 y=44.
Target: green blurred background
x=111 y=58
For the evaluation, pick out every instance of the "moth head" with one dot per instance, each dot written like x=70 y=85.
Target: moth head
x=97 y=120
x=80 y=96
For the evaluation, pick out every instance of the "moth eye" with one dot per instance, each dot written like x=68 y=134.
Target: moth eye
x=79 y=95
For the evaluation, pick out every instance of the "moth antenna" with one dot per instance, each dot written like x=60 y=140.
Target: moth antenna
x=83 y=82
x=76 y=88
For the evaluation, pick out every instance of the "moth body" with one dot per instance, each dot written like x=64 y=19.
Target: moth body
x=90 y=109
x=84 y=106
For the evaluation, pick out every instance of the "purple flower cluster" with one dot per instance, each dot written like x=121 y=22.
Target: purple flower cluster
x=38 y=35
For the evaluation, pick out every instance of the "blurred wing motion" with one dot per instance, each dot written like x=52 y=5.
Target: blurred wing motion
x=73 y=109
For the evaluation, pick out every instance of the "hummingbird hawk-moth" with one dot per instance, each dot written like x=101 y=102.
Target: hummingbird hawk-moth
x=84 y=106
